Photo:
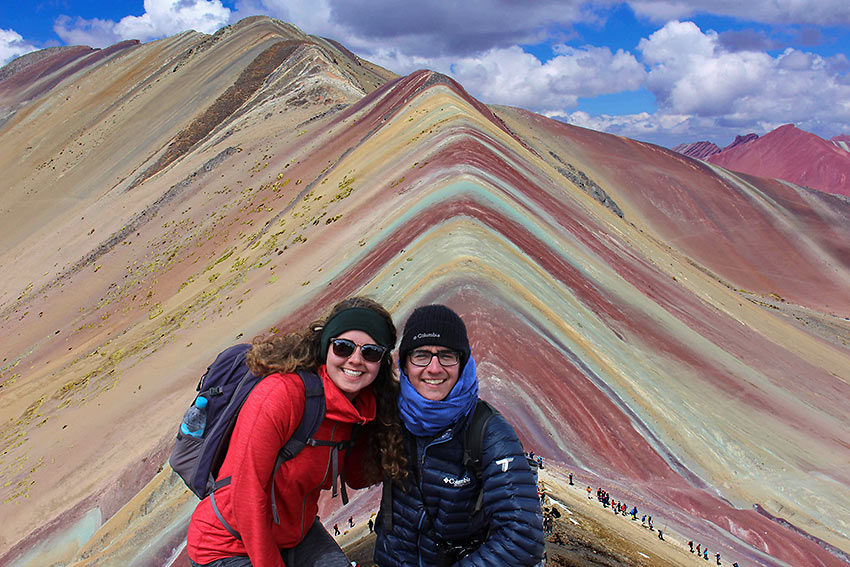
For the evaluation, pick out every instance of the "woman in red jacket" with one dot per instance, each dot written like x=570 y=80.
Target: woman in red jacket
x=350 y=350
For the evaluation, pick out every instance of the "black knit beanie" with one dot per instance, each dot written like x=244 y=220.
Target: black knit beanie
x=434 y=325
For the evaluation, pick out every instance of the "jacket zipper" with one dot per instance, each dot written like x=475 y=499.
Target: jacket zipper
x=422 y=514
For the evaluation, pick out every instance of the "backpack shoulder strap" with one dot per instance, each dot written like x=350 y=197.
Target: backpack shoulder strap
x=473 y=435
x=314 y=413
x=473 y=443
x=387 y=502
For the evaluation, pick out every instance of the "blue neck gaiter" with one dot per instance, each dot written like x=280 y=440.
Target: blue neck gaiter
x=424 y=417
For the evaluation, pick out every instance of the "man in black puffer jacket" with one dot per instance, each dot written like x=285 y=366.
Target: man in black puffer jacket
x=430 y=519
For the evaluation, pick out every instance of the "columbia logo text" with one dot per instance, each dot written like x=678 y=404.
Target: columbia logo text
x=457 y=481
x=426 y=336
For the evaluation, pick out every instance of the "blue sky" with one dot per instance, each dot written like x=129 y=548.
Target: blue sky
x=662 y=71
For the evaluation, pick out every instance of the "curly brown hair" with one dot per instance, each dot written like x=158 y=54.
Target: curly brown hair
x=287 y=352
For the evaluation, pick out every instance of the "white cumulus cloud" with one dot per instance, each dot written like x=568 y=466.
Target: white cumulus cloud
x=161 y=18
x=12 y=45
x=512 y=76
x=691 y=74
x=169 y=17
x=78 y=31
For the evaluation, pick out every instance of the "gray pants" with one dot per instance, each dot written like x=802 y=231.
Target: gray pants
x=317 y=549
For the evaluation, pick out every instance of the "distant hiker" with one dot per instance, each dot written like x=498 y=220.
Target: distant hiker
x=588 y=493
x=691 y=545
x=371 y=525
x=698 y=549
x=571 y=479
x=469 y=491
x=705 y=554
x=649 y=521
x=265 y=513
x=351 y=521
x=634 y=513
x=336 y=529
x=643 y=523
x=717 y=556
x=540 y=462
x=661 y=535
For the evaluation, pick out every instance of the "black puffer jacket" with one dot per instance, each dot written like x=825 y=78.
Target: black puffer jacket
x=435 y=505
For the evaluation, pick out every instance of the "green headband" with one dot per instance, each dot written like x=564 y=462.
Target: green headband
x=357 y=319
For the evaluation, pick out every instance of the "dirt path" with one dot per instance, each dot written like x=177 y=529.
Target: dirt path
x=586 y=534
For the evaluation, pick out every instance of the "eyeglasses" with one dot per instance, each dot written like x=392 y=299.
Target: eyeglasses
x=424 y=357
x=344 y=348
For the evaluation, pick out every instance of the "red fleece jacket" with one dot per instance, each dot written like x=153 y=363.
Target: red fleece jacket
x=268 y=419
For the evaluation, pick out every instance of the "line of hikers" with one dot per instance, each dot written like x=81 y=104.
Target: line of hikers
x=620 y=508
x=703 y=552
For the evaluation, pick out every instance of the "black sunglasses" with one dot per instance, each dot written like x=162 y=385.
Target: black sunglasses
x=344 y=348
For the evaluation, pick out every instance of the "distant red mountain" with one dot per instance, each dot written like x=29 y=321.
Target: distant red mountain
x=697 y=150
x=739 y=140
x=842 y=141
x=786 y=153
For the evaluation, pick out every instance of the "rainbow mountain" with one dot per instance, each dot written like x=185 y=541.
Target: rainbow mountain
x=665 y=328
